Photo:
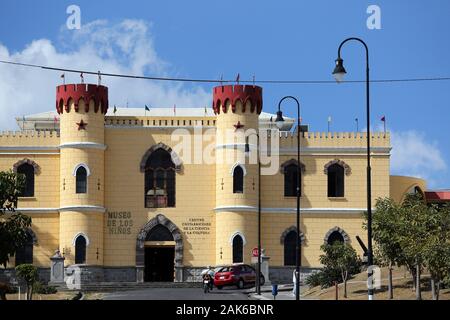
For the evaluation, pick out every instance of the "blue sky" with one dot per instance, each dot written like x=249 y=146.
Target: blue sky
x=268 y=39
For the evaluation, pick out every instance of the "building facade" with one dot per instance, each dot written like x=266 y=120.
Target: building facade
x=159 y=194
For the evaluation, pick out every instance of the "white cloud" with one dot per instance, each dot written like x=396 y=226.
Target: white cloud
x=414 y=155
x=126 y=47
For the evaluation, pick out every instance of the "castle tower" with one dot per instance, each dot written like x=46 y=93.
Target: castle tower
x=82 y=108
x=237 y=108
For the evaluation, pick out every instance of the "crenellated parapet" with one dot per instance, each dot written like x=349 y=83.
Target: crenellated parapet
x=227 y=97
x=93 y=96
x=335 y=139
x=30 y=134
x=29 y=139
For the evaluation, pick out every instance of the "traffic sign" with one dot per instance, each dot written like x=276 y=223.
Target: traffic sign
x=255 y=252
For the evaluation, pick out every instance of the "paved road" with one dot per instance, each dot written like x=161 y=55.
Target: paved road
x=177 y=294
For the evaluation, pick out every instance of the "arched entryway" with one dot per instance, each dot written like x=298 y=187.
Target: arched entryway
x=159 y=251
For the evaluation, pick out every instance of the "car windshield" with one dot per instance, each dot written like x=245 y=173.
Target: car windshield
x=225 y=269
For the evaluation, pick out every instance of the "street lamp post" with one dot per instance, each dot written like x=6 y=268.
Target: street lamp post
x=279 y=121
x=258 y=265
x=339 y=73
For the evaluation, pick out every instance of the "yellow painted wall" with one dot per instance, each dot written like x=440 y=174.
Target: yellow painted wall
x=195 y=196
x=401 y=185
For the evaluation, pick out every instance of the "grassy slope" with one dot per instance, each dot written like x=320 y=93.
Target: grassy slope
x=357 y=288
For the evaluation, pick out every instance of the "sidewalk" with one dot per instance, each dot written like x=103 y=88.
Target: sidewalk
x=285 y=292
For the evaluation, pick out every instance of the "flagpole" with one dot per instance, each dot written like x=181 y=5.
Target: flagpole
x=357 y=125
x=384 y=127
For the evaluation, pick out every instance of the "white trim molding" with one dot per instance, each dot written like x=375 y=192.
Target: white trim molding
x=236 y=208
x=80 y=234
x=291 y=210
x=29 y=148
x=78 y=166
x=237 y=233
x=237 y=146
x=37 y=210
x=83 y=145
x=67 y=208
x=238 y=164
x=316 y=210
x=83 y=208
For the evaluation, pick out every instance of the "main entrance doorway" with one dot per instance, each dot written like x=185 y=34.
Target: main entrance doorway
x=159 y=255
x=159 y=264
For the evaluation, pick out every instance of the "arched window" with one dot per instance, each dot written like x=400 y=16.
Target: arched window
x=335 y=180
x=27 y=170
x=80 y=250
x=290 y=180
x=335 y=236
x=25 y=253
x=81 y=180
x=290 y=245
x=238 y=249
x=238 y=180
x=159 y=180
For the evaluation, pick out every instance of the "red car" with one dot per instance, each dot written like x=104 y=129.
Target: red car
x=236 y=274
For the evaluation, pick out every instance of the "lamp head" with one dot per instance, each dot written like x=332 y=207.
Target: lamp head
x=280 y=120
x=339 y=71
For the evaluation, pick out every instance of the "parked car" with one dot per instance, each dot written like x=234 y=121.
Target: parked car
x=236 y=274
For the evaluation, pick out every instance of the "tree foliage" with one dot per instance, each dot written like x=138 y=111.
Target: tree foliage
x=413 y=234
x=13 y=225
x=29 y=274
x=342 y=259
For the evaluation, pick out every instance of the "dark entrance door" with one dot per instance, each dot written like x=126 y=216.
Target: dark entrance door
x=159 y=264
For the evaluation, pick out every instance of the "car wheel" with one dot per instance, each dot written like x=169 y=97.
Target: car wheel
x=240 y=284
x=262 y=281
x=220 y=287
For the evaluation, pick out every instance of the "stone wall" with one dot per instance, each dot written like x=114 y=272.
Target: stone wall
x=284 y=275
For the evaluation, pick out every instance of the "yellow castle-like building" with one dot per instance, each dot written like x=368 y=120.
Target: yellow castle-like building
x=111 y=190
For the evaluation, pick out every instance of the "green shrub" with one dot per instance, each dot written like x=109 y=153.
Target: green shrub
x=41 y=288
x=314 y=279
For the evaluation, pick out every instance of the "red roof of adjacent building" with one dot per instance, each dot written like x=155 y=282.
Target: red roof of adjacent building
x=437 y=195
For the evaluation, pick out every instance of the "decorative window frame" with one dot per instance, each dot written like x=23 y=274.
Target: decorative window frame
x=341 y=231
x=237 y=233
x=286 y=232
x=78 y=166
x=174 y=156
x=290 y=162
x=347 y=169
x=37 y=168
x=238 y=164
x=80 y=234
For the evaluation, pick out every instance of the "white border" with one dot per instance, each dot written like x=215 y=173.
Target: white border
x=78 y=235
x=78 y=166
x=238 y=164
x=291 y=210
x=67 y=208
x=82 y=145
x=237 y=233
x=82 y=208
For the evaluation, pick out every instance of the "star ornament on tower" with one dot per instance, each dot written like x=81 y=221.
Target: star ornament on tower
x=81 y=125
x=238 y=125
